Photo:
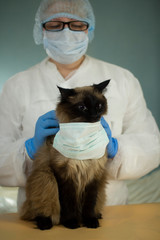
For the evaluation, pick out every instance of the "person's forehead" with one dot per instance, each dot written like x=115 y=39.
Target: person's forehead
x=63 y=19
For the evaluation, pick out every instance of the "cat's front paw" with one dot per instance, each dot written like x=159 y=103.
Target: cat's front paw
x=91 y=222
x=43 y=223
x=71 y=223
x=99 y=216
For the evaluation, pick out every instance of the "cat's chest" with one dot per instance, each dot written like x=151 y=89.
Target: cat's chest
x=79 y=172
x=83 y=172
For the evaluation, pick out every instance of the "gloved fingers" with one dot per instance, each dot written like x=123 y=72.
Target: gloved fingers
x=104 y=123
x=49 y=115
x=49 y=123
x=50 y=132
x=106 y=127
x=112 y=148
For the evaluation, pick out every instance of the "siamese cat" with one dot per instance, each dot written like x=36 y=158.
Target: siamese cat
x=63 y=190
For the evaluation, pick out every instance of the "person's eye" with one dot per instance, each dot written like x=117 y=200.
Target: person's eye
x=78 y=26
x=53 y=25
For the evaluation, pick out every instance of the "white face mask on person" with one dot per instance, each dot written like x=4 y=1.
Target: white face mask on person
x=81 y=141
x=65 y=46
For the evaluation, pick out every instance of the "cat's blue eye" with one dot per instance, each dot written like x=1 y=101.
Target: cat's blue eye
x=82 y=108
x=99 y=106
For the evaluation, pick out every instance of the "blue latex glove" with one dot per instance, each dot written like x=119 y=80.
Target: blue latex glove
x=112 y=147
x=46 y=125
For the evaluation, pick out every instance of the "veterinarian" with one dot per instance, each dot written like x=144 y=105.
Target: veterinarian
x=65 y=28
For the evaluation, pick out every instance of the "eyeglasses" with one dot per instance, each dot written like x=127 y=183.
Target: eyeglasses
x=55 y=26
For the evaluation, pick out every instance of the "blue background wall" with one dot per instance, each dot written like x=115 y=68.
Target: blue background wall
x=127 y=34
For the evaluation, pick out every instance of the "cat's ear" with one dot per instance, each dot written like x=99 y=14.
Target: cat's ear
x=65 y=92
x=101 y=86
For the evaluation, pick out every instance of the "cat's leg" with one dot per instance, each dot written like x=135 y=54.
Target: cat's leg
x=101 y=198
x=68 y=202
x=42 y=202
x=44 y=223
x=89 y=216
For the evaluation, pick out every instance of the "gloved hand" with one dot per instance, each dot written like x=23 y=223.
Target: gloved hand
x=112 y=147
x=46 y=125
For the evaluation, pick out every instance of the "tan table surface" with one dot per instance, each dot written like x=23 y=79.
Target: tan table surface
x=130 y=222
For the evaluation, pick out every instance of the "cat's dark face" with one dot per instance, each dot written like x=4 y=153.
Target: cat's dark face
x=84 y=104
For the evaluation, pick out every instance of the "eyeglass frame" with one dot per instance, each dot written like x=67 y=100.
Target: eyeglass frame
x=68 y=24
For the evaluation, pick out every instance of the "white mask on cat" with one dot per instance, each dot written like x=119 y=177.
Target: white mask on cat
x=81 y=141
x=65 y=46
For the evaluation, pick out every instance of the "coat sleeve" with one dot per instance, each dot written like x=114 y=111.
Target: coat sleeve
x=139 y=143
x=13 y=157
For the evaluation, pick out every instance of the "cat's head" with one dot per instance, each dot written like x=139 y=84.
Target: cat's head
x=82 y=104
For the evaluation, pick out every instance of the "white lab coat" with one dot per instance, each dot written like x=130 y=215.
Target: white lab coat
x=31 y=93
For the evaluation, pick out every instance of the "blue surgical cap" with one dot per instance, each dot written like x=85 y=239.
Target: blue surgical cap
x=77 y=9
